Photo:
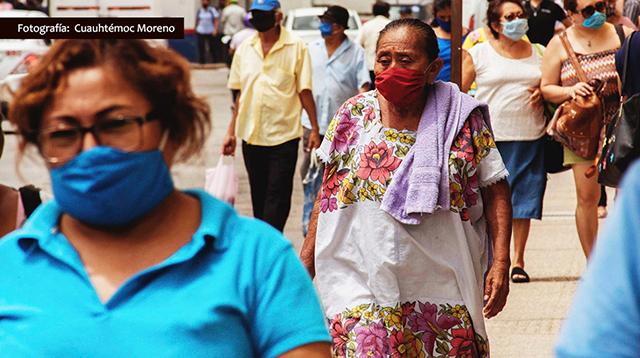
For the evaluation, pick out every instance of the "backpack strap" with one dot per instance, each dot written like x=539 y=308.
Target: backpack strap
x=30 y=196
x=623 y=79
x=620 y=32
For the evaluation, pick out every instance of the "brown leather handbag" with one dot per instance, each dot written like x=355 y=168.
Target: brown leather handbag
x=577 y=122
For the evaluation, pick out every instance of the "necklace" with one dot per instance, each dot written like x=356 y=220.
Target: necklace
x=591 y=38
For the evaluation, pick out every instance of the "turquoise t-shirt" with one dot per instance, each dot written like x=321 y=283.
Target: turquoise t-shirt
x=236 y=290
x=604 y=320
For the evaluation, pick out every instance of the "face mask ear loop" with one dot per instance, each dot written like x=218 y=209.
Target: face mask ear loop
x=163 y=140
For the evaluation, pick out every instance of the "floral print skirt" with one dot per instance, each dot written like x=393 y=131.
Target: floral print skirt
x=407 y=330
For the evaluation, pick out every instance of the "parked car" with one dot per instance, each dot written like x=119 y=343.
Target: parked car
x=17 y=57
x=304 y=23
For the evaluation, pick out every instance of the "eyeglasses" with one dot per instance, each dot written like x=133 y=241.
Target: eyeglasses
x=513 y=16
x=600 y=6
x=60 y=143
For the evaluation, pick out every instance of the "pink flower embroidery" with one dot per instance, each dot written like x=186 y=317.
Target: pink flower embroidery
x=372 y=341
x=377 y=162
x=346 y=132
x=427 y=320
x=327 y=203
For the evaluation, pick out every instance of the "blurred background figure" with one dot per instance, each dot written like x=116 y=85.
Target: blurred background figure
x=339 y=72
x=631 y=9
x=507 y=71
x=615 y=14
x=368 y=38
x=543 y=15
x=442 y=26
x=595 y=43
x=15 y=205
x=206 y=31
x=232 y=22
x=272 y=71
x=406 y=12
x=604 y=320
x=5 y=5
x=248 y=32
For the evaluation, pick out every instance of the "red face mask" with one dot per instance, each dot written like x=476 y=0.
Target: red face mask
x=400 y=86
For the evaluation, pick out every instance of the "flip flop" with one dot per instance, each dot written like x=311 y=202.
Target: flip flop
x=519 y=271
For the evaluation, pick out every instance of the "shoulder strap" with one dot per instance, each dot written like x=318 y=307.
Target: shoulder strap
x=627 y=46
x=30 y=199
x=539 y=49
x=573 y=58
x=620 y=32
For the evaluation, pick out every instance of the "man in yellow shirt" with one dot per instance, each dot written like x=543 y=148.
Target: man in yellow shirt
x=272 y=70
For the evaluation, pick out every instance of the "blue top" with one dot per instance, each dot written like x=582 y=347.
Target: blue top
x=633 y=68
x=335 y=79
x=445 y=54
x=206 y=24
x=605 y=318
x=236 y=290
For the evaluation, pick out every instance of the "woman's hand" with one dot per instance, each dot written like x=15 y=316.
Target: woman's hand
x=580 y=89
x=535 y=99
x=229 y=144
x=496 y=289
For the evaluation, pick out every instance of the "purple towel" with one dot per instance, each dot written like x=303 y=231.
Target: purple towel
x=421 y=183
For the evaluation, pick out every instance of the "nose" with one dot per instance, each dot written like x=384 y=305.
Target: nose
x=89 y=141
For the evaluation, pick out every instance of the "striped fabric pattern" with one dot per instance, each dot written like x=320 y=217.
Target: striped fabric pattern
x=600 y=65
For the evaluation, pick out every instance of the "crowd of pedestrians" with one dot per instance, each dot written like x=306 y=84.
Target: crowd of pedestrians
x=407 y=227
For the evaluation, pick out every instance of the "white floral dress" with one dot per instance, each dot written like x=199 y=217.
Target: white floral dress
x=395 y=290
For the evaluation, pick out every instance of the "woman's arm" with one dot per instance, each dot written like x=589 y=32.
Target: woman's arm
x=550 y=86
x=311 y=350
x=308 y=251
x=468 y=71
x=498 y=211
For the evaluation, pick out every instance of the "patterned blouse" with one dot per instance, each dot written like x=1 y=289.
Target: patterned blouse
x=599 y=65
x=395 y=290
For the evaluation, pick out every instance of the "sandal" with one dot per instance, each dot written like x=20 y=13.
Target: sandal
x=519 y=271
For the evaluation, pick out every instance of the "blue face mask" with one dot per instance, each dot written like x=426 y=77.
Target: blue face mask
x=109 y=187
x=325 y=28
x=444 y=25
x=515 y=29
x=595 y=21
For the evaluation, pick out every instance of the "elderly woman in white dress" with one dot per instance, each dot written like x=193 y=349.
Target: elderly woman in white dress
x=413 y=211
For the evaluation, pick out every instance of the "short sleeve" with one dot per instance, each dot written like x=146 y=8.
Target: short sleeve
x=362 y=69
x=214 y=12
x=288 y=313
x=604 y=320
x=558 y=12
x=303 y=69
x=488 y=160
x=234 y=81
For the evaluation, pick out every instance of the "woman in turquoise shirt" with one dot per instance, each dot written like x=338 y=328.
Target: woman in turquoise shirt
x=120 y=263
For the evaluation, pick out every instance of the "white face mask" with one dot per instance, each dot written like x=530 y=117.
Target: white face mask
x=516 y=29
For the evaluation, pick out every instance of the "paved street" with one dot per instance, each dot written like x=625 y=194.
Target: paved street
x=525 y=329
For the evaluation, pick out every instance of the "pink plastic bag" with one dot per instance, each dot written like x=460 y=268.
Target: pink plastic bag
x=222 y=181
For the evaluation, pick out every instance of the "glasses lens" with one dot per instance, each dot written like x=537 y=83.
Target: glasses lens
x=512 y=17
x=60 y=144
x=588 y=11
x=600 y=6
x=123 y=133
